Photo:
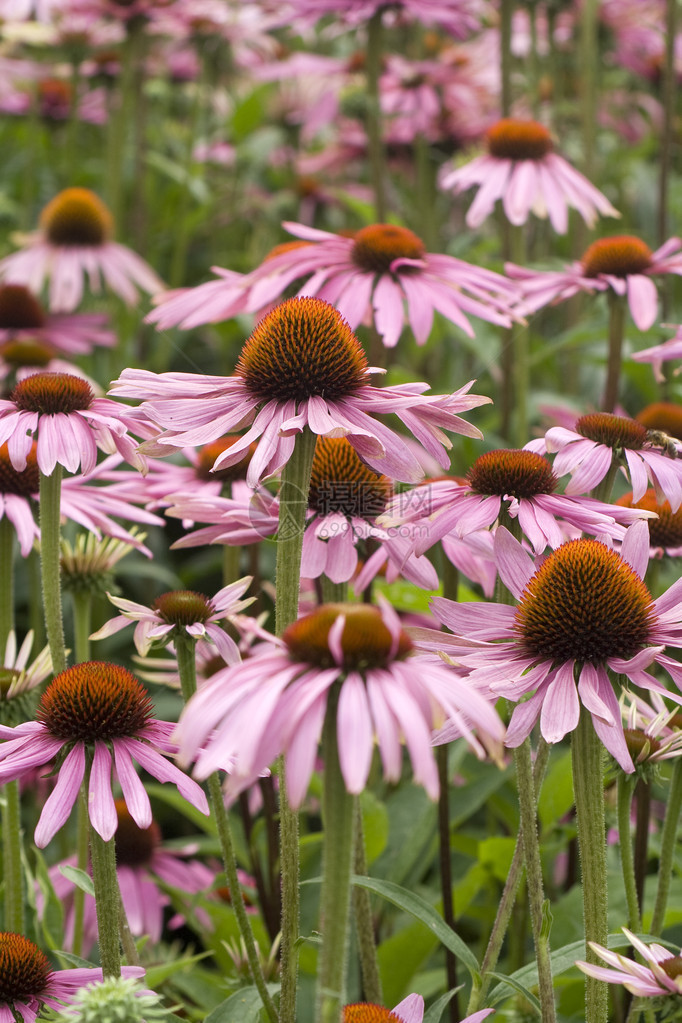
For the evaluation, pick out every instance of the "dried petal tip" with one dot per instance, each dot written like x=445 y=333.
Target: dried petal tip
x=24 y=969
x=512 y=474
x=613 y=431
x=513 y=139
x=94 y=700
x=303 y=348
x=340 y=482
x=20 y=309
x=585 y=604
x=51 y=393
x=183 y=607
x=366 y=642
x=619 y=256
x=76 y=217
x=375 y=247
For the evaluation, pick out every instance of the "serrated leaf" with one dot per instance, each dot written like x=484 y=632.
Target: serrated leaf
x=421 y=910
x=79 y=877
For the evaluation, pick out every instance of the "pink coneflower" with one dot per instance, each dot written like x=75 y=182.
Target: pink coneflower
x=276 y=700
x=410 y=1010
x=101 y=712
x=302 y=366
x=660 y=973
x=522 y=169
x=600 y=439
x=74 y=242
x=584 y=612
x=28 y=982
x=143 y=866
x=81 y=501
x=382 y=275
x=658 y=354
x=652 y=731
x=520 y=483
x=459 y=17
x=17 y=676
x=181 y=611
x=69 y=423
x=622 y=263
x=23 y=320
x=665 y=530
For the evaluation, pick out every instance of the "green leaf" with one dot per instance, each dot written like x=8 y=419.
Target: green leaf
x=244 y=1006
x=79 y=877
x=156 y=975
x=435 y=1011
x=514 y=983
x=421 y=910
x=556 y=795
x=374 y=825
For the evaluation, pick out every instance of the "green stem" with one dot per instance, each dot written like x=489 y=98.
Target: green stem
x=231 y=563
x=103 y=857
x=668 y=844
x=504 y=912
x=293 y=504
x=615 y=357
x=602 y=492
x=377 y=157
x=531 y=851
x=625 y=789
x=667 y=134
x=11 y=859
x=589 y=64
x=82 y=859
x=7 y=533
x=588 y=783
x=185 y=647
x=50 y=495
x=82 y=625
x=446 y=867
x=506 y=10
x=337 y=816
x=333 y=593
x=364 y=922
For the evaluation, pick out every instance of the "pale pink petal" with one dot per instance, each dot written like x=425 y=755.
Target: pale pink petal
x=60 y=802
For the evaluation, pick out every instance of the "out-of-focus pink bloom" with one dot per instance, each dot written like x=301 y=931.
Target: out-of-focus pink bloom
x=459 y=17
x=301 y=366
x=522 y=169
x=658 y=354
x=275 y=702
x=665 y=530
x=74 y=242
x=23 y=319
x=622 y=263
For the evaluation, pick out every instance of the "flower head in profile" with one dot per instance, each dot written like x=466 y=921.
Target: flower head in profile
x=18 y=677
x=652 y=730
x=302 y=366
x=74 y=242
x=520 y=482
x=96 y=713
x=28 y=983
x=382 y=275
x=584 y=612
x=598 y=439
x=621 y=264
x=660 y=972
x=114 y=1000
x=410 y=1010
x=275 y=702
x=23 y=320
x=61 y=412
x=522 y=169
x=665 y=529
x=182 y=612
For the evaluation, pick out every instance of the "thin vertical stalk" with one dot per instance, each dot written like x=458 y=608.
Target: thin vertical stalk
x=531 y=852
x=615 y=356
x=377 y=156
x=588 y=783
x=504 y=912
x=506 y=11
x=446 y=869
x=333 y=593
x=7 y=533
x=668 y=843
x=364 y=923
x=668 y=128
x=337 y=816
x=589 y=64
x=50 y=495
x=625 y=786
x=103 y=856
x=82 y=858
x=185 y=648
x=293 y=503
x=82 y=625
x=11 y=859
